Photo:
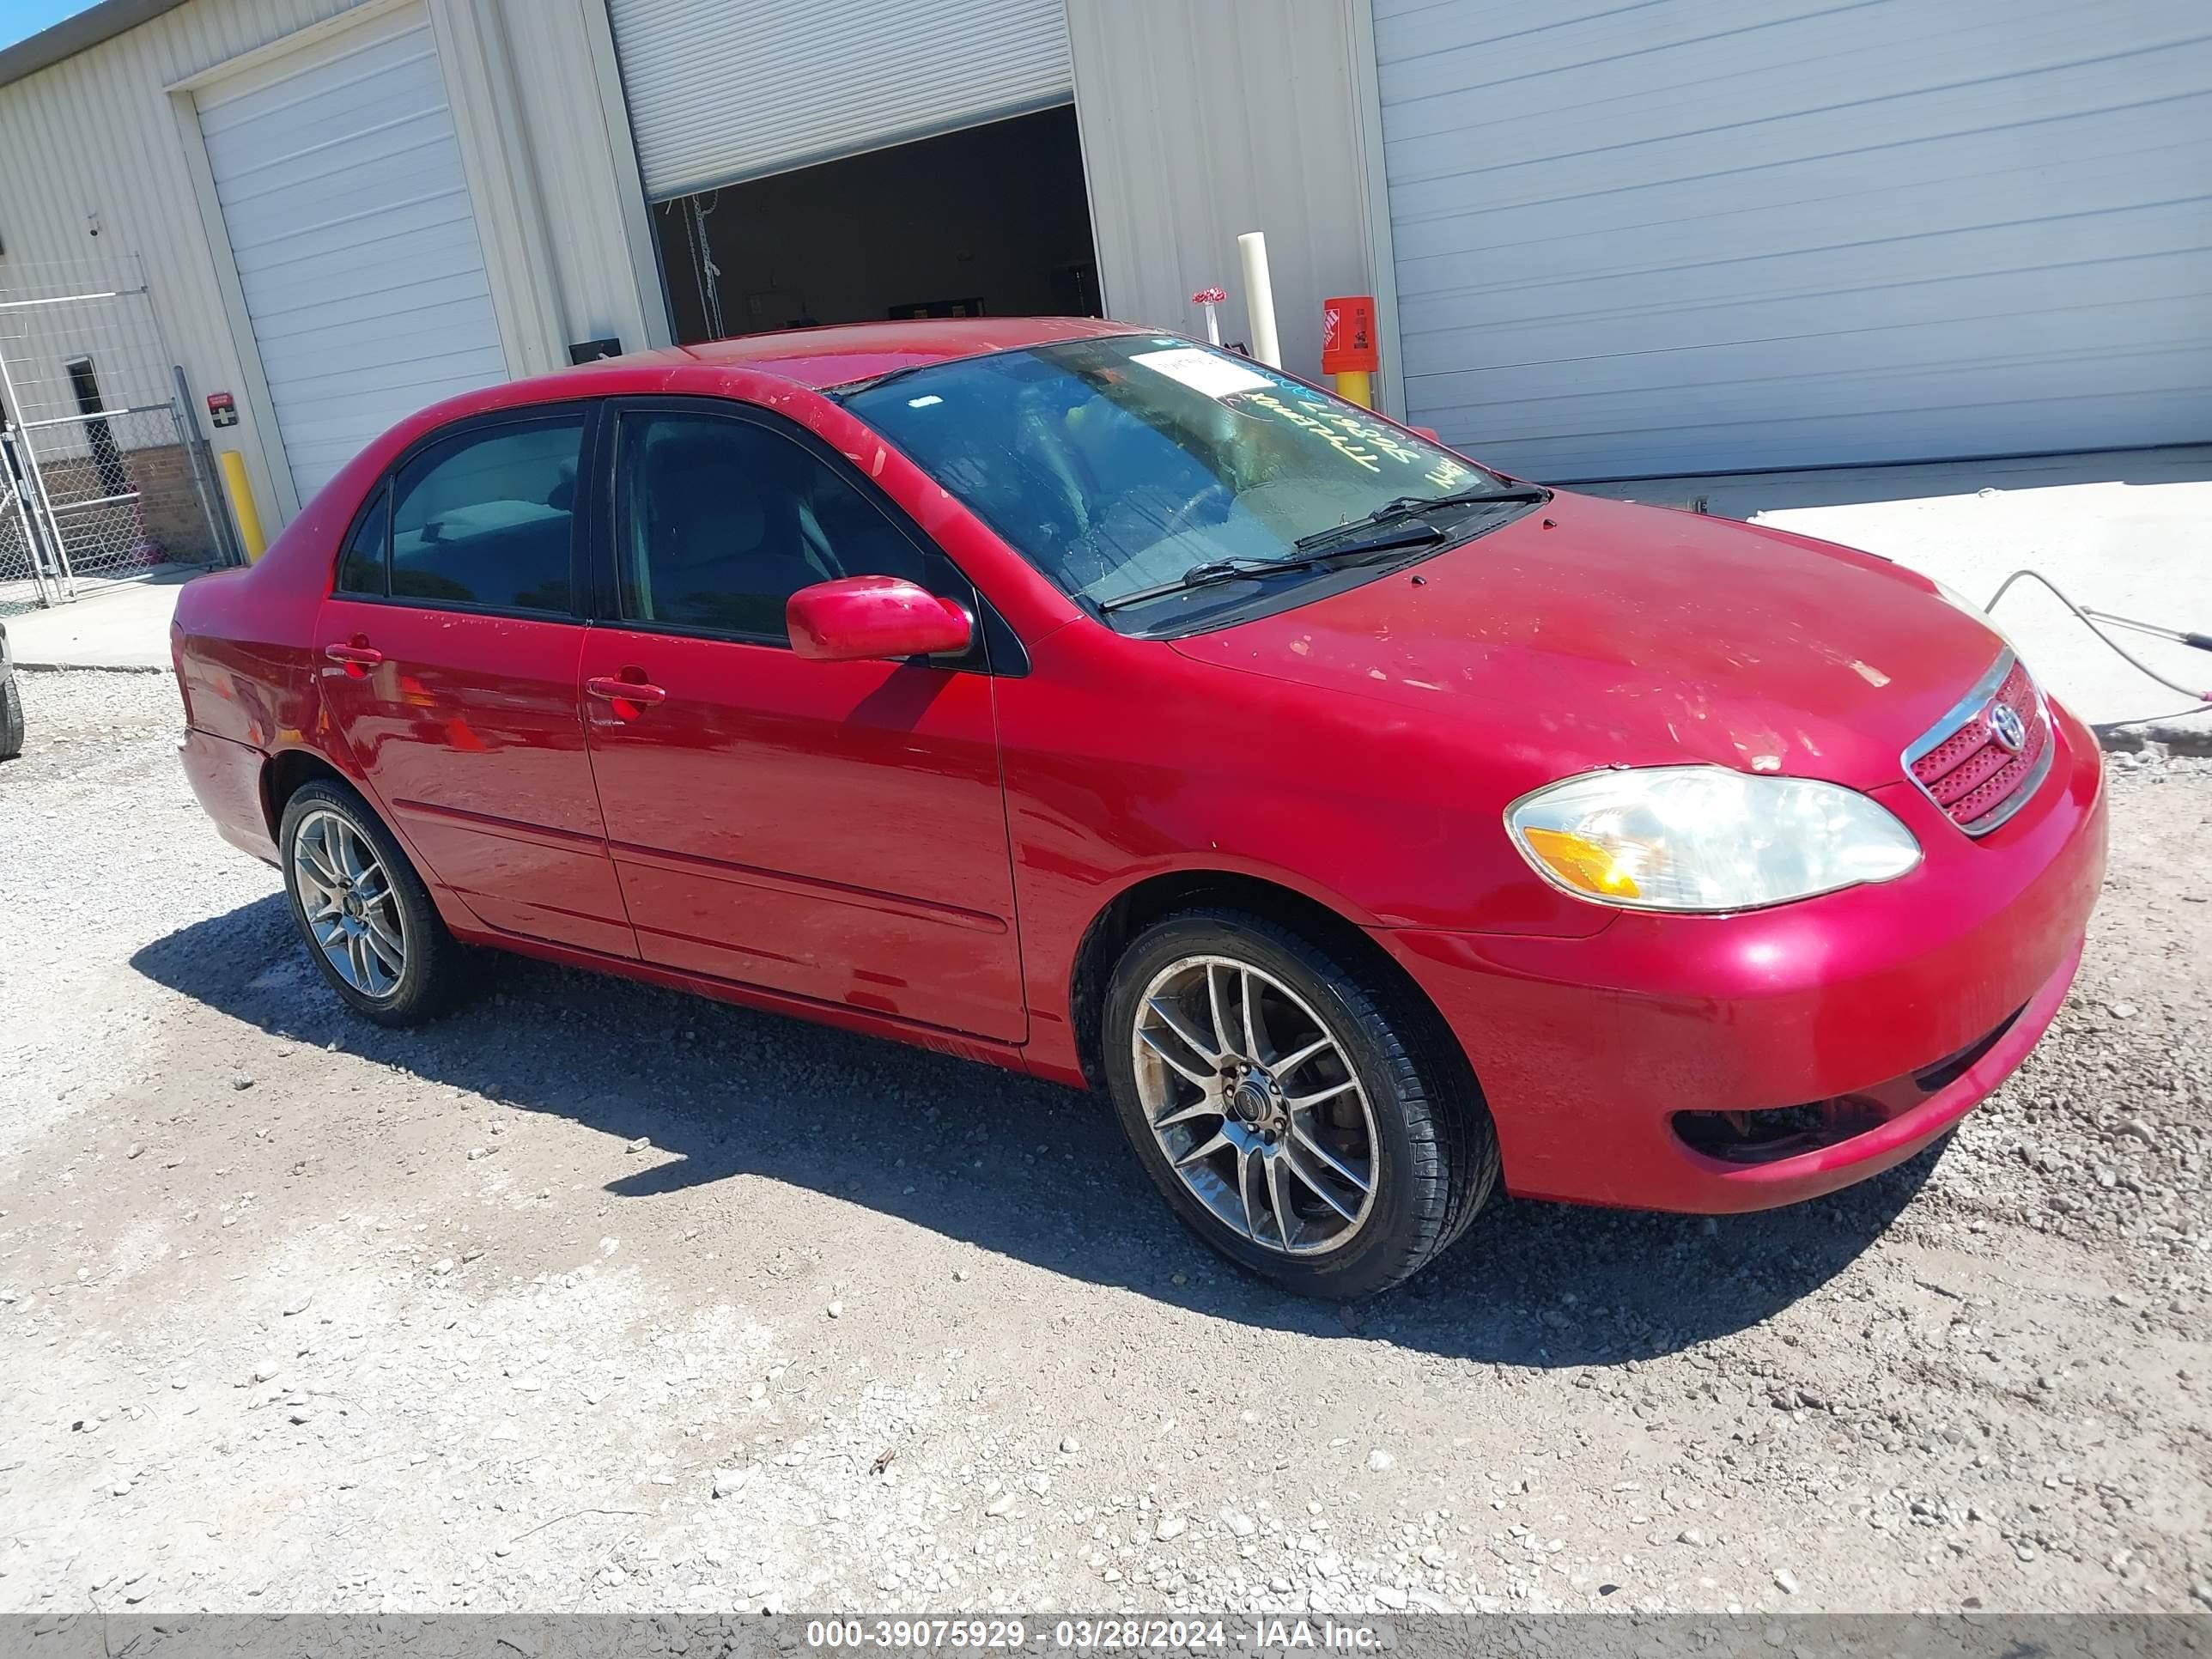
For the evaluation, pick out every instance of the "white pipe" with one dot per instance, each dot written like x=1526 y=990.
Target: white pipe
x=1206 y=298
x=1260 y=297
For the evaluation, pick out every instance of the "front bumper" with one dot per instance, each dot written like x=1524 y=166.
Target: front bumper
x=1590 y=1050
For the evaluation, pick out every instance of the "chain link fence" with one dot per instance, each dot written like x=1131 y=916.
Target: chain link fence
x=102 y=474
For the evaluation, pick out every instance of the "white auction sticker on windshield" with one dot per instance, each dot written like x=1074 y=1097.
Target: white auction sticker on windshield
x=1203 y=371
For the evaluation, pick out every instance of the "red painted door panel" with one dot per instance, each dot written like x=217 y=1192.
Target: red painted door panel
x=468 y=728
x=831 y=830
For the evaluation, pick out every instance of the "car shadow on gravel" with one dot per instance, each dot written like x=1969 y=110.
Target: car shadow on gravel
x=1014 y=1166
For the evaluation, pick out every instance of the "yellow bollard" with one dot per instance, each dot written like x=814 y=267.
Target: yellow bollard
x=242 y=510
x=1356 y=385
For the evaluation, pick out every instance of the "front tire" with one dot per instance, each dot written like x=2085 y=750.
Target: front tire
x=367 y=918
x=1314 y=1124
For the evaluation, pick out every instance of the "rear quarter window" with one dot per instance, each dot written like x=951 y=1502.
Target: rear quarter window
x=361 y=572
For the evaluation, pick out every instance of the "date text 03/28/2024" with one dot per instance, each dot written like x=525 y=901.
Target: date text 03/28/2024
x=1095 y=1635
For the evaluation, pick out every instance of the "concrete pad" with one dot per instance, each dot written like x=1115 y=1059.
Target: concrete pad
x=120 y=624
x=2128 y=532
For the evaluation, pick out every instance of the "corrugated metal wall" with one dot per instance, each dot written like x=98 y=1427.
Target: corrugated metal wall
x=98 y=134
x=1681 y=237
x=1199 y=118
x=1203 y=119
x=587 y=171
x=95 y=135
x=719 y=92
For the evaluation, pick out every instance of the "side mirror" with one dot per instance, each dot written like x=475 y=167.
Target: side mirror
x=860 y=619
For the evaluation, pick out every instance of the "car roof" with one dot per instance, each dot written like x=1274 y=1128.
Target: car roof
x=845 y=352
x=815 y=358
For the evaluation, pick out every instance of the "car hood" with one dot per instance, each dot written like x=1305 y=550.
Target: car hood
x=1592 y=633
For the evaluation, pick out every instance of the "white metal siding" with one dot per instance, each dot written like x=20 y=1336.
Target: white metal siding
x=587 y=172
x=1678 y=238
x=350 y=225
x=1204 y=119
x=719 y=92
x=98 y=133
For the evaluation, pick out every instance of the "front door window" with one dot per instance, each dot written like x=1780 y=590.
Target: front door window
x=723 y=521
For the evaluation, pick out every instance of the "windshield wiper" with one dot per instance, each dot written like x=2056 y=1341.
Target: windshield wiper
x=1214 y=572
x=1407 y=506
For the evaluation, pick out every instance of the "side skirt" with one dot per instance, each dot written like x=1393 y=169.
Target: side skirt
x=1006 y=1055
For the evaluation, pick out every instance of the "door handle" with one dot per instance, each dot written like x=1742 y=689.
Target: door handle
x=358 y=658
x=629 y=697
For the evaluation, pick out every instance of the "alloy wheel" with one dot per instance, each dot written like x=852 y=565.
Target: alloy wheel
x=347 y=898
x=1257 y=1105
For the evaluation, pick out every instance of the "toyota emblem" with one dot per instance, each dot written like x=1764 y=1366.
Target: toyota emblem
x=2008 y=728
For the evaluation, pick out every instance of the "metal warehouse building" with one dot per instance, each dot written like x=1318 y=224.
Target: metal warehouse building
x=1606 y=238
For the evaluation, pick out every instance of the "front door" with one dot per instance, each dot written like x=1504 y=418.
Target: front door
x=449 y=654
x=834 y=831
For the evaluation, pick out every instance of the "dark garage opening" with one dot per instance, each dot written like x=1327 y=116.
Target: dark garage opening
x=992 y=221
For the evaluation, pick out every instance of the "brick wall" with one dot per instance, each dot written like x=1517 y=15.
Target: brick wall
x=165 y=523
x=169 y=506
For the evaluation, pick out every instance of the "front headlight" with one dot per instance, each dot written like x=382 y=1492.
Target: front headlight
x=1703 y=838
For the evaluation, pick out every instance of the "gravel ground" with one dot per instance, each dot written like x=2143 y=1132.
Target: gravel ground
x=596 y=1297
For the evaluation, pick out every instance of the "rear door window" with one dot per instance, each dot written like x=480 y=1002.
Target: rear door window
x=486 y=519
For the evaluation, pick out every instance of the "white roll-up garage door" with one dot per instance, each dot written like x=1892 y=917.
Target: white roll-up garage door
x=720 y=92
x=350 y=225
x=1676 y=238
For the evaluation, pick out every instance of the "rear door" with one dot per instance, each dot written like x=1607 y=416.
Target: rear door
x=451 y=649
x=833 y=830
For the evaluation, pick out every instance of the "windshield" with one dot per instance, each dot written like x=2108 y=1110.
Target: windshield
x=1119 y=463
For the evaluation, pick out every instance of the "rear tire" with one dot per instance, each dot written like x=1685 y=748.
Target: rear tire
x=365 y=914
x=1331 y=1139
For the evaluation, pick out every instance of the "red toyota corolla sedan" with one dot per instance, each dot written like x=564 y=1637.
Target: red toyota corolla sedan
x=1370 y=826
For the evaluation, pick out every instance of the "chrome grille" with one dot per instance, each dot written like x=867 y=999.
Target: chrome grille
x=1983 y=761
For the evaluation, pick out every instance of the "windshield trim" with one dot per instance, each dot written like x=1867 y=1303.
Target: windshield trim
x=842 y=390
